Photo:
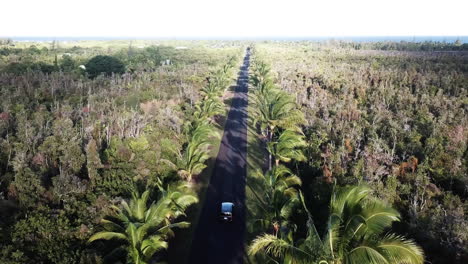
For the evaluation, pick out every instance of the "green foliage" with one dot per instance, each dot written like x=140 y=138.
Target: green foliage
x=276 y=198
x=71 y=146
x=27 y=188
x=191 y=161
x=388 y=119
x=16 y=68
x=143 y=227
x=274 y=109
x=67 y=64
x=45 y=237
x=355 y=234
x=62 y=149
x=287 y=147
x=19 y=68
x=104 y=65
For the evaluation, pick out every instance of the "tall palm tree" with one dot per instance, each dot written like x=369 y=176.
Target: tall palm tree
x=276 y=198
x=211 y=90
x=221 y=79
x=277 y=109
x=355 y=234
x=142 y=228
x=191 y=161
x=217 y=82
x=208 y=108
x=260 y=73
x=287 y=147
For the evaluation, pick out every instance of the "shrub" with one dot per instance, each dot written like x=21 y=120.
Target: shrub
x=67 y=63
x=19 y=68
x=16 y=68
x=104 y=64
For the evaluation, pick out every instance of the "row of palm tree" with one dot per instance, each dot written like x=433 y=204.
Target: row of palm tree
x=278 y=119
x=357 y=229
x=200 y=131
x=276 y=114
x=139 y=229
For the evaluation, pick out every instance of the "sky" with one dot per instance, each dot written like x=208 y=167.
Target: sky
x=238 y=18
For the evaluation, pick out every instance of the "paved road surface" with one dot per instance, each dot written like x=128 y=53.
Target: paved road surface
x=216 y=242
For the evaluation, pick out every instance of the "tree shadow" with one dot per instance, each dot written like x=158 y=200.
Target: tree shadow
x=214 y=241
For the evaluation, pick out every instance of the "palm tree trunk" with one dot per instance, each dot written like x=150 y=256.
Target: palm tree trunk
x=269 y=137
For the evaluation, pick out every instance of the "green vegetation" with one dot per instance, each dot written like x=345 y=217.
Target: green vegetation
x=354 y=235
x=144 y=229
x=387 y=124
x=76 y=151
x=100 y=65
x=357 y=152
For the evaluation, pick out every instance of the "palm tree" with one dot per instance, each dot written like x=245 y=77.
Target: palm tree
x=228 y=66
x=260 y=77
x=284 y=249
x=211 y=90
x=276 y=109
x=275 y=198
x=191 y=161
x=287 y=147
x=260 y=73
x=142 y=228
x=355 y=234
x=208 y=108
x=221 y=79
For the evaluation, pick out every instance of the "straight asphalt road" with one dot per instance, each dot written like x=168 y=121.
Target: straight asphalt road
x=214 y=241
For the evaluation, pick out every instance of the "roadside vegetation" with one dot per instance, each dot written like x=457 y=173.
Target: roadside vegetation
x=373 y=169
x=100 y=152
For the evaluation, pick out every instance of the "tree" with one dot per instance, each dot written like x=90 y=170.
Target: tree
x=273 y=108
x=191 y=161
x=261 y=73
x=67 y=63
x=277 y=109
x=355 y=234
x=220 y=77
x=287 y=147
x=207 y=109
x=104 y=64
x=143 y=227
x=276 y=198
x=211 y=90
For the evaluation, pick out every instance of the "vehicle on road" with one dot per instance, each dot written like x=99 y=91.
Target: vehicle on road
x=227 y=208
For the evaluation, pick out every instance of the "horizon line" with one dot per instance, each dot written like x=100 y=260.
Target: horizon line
x=356 y=38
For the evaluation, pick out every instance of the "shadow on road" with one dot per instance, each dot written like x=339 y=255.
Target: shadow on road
x=214 y=241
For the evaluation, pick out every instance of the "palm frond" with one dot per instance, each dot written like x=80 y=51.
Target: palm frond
x=276 y=247
x=397 y=249
x=106 y=235
x=365 y=254
x=377 y=216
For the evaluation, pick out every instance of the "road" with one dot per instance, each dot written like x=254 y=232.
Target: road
x=216 y=242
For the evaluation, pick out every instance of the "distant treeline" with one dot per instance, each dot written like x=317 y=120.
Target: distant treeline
x=407 y=46
x=383 y=45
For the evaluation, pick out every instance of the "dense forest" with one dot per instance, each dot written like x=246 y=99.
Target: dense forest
x=357 y=151
x=103 y=138
x=352 y=133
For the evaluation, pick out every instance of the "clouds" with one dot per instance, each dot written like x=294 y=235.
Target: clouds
x=216 y=18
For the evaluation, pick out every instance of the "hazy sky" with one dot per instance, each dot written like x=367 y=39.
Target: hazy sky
x=240 y=18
